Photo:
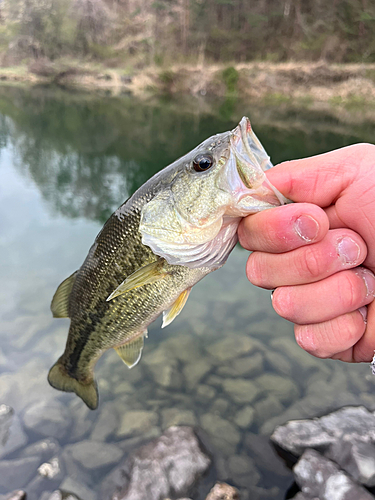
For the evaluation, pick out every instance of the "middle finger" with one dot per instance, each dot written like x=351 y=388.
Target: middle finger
x=340 y=249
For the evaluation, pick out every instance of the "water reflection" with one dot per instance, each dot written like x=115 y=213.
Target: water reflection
x=66 y=161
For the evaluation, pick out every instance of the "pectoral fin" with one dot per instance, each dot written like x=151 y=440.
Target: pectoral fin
x=143 y=276
x=175 y=309
x=59 y=304
x=131 y=352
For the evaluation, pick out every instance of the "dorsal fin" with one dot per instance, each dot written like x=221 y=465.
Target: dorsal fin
x=175 y=309
x=131 y=352
x=59 y=304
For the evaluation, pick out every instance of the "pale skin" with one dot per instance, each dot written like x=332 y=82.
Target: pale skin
x=319 y=253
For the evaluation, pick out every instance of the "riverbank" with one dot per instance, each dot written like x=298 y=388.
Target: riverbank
x=346 y=84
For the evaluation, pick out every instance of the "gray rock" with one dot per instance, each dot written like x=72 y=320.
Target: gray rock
x=223 y=434
x=17 y=473
x=175 y=416
x=353 y=422
x=70 y=485
x=13 y=435
x=46 y=449
x=170 y=464
x=264 y=454
x=6 y=416
x=163 y=368
x=243 y=471
x=94 y=455
x=355 y=457
x=183 y=347
x=267 y=408
x=106 y=424
x=248 y=366
x=194 y=372
x=223 y=491
x=284 y=389
x=232 y=346
x=205 y=392
x=302 y=496
x=244 y=417
x=48 y=477
x=298 y=435
x=48 y=418
x=136 y=422
x=59 y=495
x=278 y=362
x=241 y=390
x=15 y=495
x=82 y=420
x=220 y=406
x=318 y=477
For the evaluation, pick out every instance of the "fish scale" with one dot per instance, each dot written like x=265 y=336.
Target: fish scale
x=178 y=227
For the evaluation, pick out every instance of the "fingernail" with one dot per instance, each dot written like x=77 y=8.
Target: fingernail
x=368 y=278
x=348 y=250
x=306 y=227
x=363 y=312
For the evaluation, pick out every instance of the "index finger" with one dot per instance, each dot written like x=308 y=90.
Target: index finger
x=282 y=229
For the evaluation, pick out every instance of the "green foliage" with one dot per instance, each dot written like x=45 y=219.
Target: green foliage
x=230 y=77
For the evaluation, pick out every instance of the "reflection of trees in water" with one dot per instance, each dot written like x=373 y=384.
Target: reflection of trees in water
x=87 y=154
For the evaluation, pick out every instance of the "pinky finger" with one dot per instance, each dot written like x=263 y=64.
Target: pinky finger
x=334 y=338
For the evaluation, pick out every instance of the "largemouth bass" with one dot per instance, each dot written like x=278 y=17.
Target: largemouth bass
x=175 y=229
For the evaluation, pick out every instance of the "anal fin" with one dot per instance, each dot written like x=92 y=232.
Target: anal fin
x=60 y=301
x=175 y=309
x=145 y=275
x=131 y=352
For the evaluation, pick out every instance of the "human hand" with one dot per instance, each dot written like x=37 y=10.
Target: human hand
x=312 y=251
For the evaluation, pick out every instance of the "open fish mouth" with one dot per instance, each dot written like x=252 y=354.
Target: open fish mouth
x=245 y=173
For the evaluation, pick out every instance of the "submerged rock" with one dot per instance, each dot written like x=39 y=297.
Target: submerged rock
x=94 y=455
x=136 y=422
x=222 y=434
x=12 y=434
x=168 y=465
x=223 y=491
x=318 y=477
x=17 y=473
x=15 y=495
x=48 y=418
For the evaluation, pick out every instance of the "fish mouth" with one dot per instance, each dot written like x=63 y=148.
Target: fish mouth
x=246 y=177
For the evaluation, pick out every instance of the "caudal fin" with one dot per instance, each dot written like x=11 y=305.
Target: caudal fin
x=61 y=380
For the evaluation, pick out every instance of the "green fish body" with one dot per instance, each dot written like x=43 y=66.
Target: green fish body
x=178 y=227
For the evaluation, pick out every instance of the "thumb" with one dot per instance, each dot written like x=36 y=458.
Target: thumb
x=319 y=179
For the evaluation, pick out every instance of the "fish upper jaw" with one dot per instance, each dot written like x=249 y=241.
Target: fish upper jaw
x=244 y=175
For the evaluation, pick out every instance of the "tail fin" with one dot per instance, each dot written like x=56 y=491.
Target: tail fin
x=61 y=380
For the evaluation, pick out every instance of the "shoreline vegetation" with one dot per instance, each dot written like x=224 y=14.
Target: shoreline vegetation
x=318 y=85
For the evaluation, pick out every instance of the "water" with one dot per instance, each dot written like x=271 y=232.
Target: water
x=228 y=365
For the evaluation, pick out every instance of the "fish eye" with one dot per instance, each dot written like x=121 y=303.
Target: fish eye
x=202 y=163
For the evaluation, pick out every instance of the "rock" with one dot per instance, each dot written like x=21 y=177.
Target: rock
x=356 y=458
x=248 y=366
x=164 y=368
x=223 y=434
x=310 y=406
x=6 y=416
x=205 y=392
x=49 y=476
x=223 y=491
x=243 y=471
x=232 y=346
x=83 y=420
x=15 y=495
x=59 y=495
x=186 y=349
x=106 y=424
x=241 y=390
x=46 y=449
x=48 y=418
x=319 y=477
x=298 y=435
x=76 y=487
x=175 y=416
x=17 y=473
x=194 y=372
x=168 y=465
x=264 y=455
x=301 y=496
x=136 y=422
x=12 y=434
x=220 y=406
x=93 y=455
x=244 y=417
x=278 y=363
x=353 y=422
x=284 y=389
x=267 y=408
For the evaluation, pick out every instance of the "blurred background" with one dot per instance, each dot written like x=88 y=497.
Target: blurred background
x=97 y=96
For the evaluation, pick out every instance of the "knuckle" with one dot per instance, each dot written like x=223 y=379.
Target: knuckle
x=348 y=292
x=310 y=263
x=255 y=271
x=305 y=338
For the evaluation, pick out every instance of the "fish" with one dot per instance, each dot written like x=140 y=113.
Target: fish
x=173 y=231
